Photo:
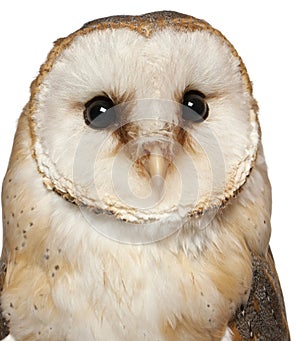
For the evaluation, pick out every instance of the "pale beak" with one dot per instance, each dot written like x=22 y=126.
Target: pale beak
x=156 y=164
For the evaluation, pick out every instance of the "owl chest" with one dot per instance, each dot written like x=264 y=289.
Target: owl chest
x=71 y=283
x=135 y=297
x=81 y=285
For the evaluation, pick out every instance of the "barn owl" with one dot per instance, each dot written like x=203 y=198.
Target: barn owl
x=136 y=204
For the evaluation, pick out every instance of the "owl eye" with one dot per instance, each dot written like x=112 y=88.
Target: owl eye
x=99 y=112
x=195 y=107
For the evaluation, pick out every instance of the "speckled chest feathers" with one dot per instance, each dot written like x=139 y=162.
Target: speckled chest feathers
x=136 y=204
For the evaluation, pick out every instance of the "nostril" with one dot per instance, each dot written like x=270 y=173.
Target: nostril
x=155 y=161
x=146 y=152
x=152 y=156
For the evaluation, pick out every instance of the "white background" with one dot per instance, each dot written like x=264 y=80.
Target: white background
x=266 y=35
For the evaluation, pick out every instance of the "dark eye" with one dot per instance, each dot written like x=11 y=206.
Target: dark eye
x=195 y=107
x=99 y=112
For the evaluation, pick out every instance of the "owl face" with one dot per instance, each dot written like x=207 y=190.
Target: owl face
x=144 y=123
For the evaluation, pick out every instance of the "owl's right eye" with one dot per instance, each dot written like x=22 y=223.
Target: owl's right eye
x=99 y=112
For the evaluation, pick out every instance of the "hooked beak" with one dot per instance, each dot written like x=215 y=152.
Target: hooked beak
x=156 y=163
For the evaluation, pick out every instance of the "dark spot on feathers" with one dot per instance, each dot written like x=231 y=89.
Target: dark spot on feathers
x=56 y=267
x=35 y=307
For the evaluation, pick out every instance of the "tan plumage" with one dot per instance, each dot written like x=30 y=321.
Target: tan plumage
x=165 y=266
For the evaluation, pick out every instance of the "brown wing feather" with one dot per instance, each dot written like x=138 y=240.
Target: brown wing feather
x=4 y=330
x=263 y=318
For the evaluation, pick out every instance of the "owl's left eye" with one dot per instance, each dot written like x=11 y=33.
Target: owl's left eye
x=99 y=112
x=195 y=107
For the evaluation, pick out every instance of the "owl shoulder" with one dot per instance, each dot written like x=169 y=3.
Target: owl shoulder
x=263 y=317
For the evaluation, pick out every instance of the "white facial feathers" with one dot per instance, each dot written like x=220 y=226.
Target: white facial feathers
x=146 y=77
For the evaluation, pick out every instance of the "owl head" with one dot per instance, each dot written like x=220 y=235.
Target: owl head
x=146 y=119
